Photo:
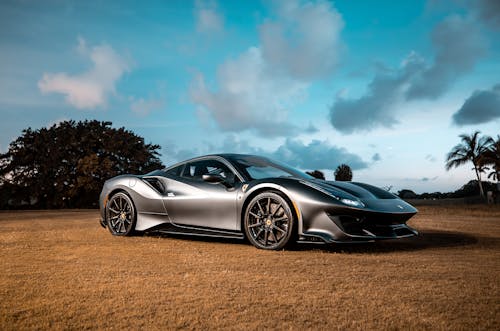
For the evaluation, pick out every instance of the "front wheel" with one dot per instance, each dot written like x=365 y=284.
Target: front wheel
x=269 y=221
x=120 y=215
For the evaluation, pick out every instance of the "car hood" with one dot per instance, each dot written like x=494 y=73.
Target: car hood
x=373 y=198
x=358 y=190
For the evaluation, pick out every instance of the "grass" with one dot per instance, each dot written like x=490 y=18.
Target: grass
x=61 y=270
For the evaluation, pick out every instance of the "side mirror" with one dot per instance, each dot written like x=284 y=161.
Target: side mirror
x=213 y=179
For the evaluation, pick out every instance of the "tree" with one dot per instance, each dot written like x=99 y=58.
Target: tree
x=343 y=173
x=407 y=194
x=469 y=150
x=66 y=165
x=316 y=174
x=471 y=189
x=491 y=157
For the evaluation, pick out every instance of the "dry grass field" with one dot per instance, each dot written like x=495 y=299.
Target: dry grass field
x=61 y=270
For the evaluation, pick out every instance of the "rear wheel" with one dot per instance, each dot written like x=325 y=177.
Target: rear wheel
x=120 y=215
x=269 y=221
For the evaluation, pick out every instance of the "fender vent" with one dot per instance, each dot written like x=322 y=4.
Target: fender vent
x=156 y=184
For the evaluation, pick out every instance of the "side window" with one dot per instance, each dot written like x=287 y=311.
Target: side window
x=196 y=170
x=175 y=171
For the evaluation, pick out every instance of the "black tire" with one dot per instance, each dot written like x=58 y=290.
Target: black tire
x=269 y=221
x=120 y=215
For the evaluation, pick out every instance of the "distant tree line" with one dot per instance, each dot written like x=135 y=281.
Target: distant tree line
x=470 y=189
x=65 y=166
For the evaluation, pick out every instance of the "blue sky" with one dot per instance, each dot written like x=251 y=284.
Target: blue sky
x=384 y=86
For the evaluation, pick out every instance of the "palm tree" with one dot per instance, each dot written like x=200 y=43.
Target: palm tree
x=343 y=173
x=492 y=157
x=471 y=149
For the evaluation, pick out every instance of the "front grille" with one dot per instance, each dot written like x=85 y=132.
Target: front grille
x=349 y=224
x=369 y=227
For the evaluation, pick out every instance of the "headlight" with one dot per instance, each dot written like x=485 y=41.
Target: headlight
x=346 y=201
x=354 y=203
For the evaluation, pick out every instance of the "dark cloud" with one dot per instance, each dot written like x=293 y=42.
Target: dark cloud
x=481 y=107
x=378 y=107
x=376 y=157
x=316 y=155
x=458 y=45
x=489 y=12
x=427 y=179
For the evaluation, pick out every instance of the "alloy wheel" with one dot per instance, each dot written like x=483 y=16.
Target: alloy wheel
x=269 y=221
x=120 y=214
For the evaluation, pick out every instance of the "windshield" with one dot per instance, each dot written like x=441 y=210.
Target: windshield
x=255 y=167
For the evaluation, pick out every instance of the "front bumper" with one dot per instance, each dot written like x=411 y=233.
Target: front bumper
x=357 y=227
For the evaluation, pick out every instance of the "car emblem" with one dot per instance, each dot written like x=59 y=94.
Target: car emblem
x=400 y=207
x=244 y=187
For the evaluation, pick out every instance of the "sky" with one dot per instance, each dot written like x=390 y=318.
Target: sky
x=383 y=86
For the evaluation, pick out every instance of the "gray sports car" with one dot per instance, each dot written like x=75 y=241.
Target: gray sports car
x=253 y=197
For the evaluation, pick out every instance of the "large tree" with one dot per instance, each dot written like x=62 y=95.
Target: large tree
x=470 y=149
x=66 y=165
x=343 y=173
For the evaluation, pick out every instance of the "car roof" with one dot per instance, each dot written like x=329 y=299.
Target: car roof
x=227 y=156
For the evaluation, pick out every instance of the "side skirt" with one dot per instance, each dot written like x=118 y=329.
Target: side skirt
x=196 y=231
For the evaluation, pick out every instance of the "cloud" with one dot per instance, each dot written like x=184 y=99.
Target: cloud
x=89 y=89
x=175 y=154
x=249 y=97
x=489 y=12
x=376 y=157
x=233 y=144
x=208 y=18
x=481 y=107
x=143 y=107
x=257 y=89
x=310 y=129
x=316 y=155
x=304 y=41
x=313 y=155
x=458 y=46
x=378 y=107
x=427 y=179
